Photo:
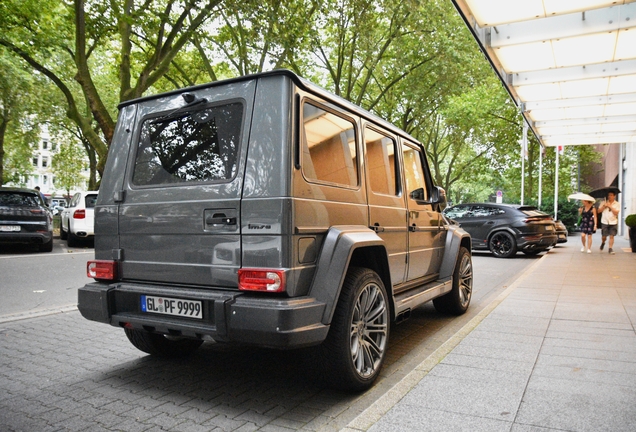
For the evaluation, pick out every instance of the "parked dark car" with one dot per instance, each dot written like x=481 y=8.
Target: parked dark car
x=562 y=232
x=505 y=229
x=25 y=219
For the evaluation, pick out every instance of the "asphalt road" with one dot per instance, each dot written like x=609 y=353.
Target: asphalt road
x=34 y=282
x=61 y=371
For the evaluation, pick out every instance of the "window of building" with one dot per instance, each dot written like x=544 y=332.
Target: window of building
x=45 y=145
x=35 y=161
x=45 y=180
x=45 y=161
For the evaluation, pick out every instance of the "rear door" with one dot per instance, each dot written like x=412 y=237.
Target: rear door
x=387 y=211
x=179 y=213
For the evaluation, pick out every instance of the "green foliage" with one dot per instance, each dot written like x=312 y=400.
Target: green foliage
x=630 y=220
x=413 y=63
x=567 y=212
x=67 y=166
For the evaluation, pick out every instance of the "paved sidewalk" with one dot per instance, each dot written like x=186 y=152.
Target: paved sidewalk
x=555 y=352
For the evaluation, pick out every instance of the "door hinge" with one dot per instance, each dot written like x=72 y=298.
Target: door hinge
x=119 y=196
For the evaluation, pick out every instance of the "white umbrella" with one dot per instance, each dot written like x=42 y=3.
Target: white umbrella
x=582 y=196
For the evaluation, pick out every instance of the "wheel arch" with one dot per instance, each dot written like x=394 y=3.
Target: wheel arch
x=346 y=246
x=456 y=239
x=500 y=229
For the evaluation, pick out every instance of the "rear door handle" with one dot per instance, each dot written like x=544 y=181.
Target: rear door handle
x=220 y=219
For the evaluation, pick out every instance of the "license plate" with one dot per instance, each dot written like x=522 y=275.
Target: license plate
x=9 y=228
x=172 y=306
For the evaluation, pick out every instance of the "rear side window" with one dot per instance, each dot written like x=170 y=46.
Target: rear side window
x=381 y=162
x=195 y=146
x=329 y=147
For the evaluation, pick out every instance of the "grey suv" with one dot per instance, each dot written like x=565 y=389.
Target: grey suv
x=264 y=210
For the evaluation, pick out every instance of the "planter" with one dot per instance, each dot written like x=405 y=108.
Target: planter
x=632 y=238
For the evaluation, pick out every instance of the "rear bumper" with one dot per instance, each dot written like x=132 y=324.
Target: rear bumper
x=529 y=242
x=228 y=316
x=36 y=238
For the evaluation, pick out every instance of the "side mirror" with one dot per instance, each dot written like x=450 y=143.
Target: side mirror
x=417 y=194
x=438 y=196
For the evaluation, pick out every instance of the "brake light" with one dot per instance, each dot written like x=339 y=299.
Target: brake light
x=102 y=269
x=79 y=214
x=261 y=280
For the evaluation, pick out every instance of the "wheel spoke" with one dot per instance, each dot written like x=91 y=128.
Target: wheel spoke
x=369 y=330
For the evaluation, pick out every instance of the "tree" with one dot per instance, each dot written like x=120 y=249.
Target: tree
x=16 y=129
x=67 y=166
x=67 y=42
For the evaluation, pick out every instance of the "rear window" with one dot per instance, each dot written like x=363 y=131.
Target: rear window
x=531 y=212
x=195 y=146
x=18 y=199
x=90 y=201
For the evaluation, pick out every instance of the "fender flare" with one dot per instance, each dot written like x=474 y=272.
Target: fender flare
x=455 y=239
x=338 y=247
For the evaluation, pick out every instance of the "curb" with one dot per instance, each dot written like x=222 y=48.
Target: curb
x=37 y=313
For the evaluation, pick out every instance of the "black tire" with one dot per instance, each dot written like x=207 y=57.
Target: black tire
x=456 y=302
x=63 y=234
x=355 y=347
x=72 y=239
x=502 y=244
x=160 y=346
x=46 y=247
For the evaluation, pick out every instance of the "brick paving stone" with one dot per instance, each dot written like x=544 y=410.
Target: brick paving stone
x=224 y=423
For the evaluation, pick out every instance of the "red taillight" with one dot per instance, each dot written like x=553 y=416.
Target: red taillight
x=102 y=269
x=261 y=280
x=79 y=214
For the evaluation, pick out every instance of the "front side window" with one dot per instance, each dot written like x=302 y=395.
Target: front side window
x=195 y=146
x=329 y=147
x=414 y=172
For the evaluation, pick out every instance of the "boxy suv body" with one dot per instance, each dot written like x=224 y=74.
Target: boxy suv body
x=264 y=210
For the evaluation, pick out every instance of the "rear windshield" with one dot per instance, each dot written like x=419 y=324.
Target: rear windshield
x=90 y=201
x=196 y=146
x=18 y=199
x=533 y=212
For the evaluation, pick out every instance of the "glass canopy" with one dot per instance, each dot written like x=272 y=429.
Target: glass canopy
x=569 y=64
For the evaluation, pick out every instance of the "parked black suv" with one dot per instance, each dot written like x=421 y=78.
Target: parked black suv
x=505 y=229
x=264 y=210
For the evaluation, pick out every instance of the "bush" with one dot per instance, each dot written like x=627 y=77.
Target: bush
x=568 y=212
x=630 y=220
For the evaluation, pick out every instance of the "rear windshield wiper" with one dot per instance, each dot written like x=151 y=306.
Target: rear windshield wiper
x=191 y=101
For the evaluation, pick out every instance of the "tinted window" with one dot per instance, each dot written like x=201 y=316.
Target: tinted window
x=329 y=147
x=196 y=146
x=381 y=162
x=18 y=199
x=482 y=211
x=90 y=201
x=457 y=212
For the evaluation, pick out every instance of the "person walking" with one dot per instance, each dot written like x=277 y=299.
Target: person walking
x=609 y=220
x=589 y=222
